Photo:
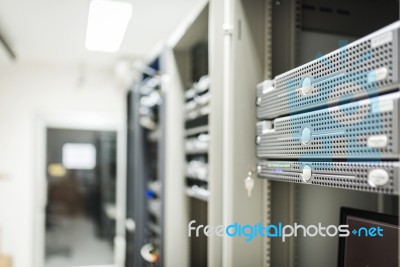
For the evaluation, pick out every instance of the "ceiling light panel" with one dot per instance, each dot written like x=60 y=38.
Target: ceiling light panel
x=107 y=24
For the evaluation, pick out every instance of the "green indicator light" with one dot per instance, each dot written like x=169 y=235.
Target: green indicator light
x=279 y=165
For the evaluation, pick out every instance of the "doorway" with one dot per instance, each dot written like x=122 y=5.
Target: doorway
x=80 y=213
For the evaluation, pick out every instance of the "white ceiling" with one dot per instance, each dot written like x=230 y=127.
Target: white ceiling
x=54 y=30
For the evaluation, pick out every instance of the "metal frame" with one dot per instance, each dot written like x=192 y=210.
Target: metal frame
x=139 y=170
x=130 y=182
x=290 y=201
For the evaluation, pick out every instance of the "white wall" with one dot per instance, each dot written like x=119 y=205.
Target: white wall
x=29 y=90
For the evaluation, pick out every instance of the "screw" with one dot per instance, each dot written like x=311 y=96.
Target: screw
x=258 y=101
x=258 y=139
x=258 y=169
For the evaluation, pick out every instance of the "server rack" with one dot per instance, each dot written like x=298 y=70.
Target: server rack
x=106 y=171
x=193 y=82
x=197 y=141
x=146 y=171
x=130 y=189
x=300 y=32
x=258 y=40
x=194 y=69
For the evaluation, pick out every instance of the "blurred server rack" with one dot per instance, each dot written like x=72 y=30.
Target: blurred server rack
x=146 y=172
x=106 y=171
x=191 y=83
x=197 y=138
x=130 y=197
x=194 y=130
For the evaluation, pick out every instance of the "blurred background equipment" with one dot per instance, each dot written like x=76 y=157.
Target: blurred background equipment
x=80 y=212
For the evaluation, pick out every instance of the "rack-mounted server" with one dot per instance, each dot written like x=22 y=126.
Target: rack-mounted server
x=378 y=177
x=362 y=69
x=365 y=129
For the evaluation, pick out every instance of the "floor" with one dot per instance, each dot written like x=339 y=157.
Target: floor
x=73 y=243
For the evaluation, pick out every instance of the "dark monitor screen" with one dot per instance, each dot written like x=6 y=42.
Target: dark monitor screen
x=369 y=249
